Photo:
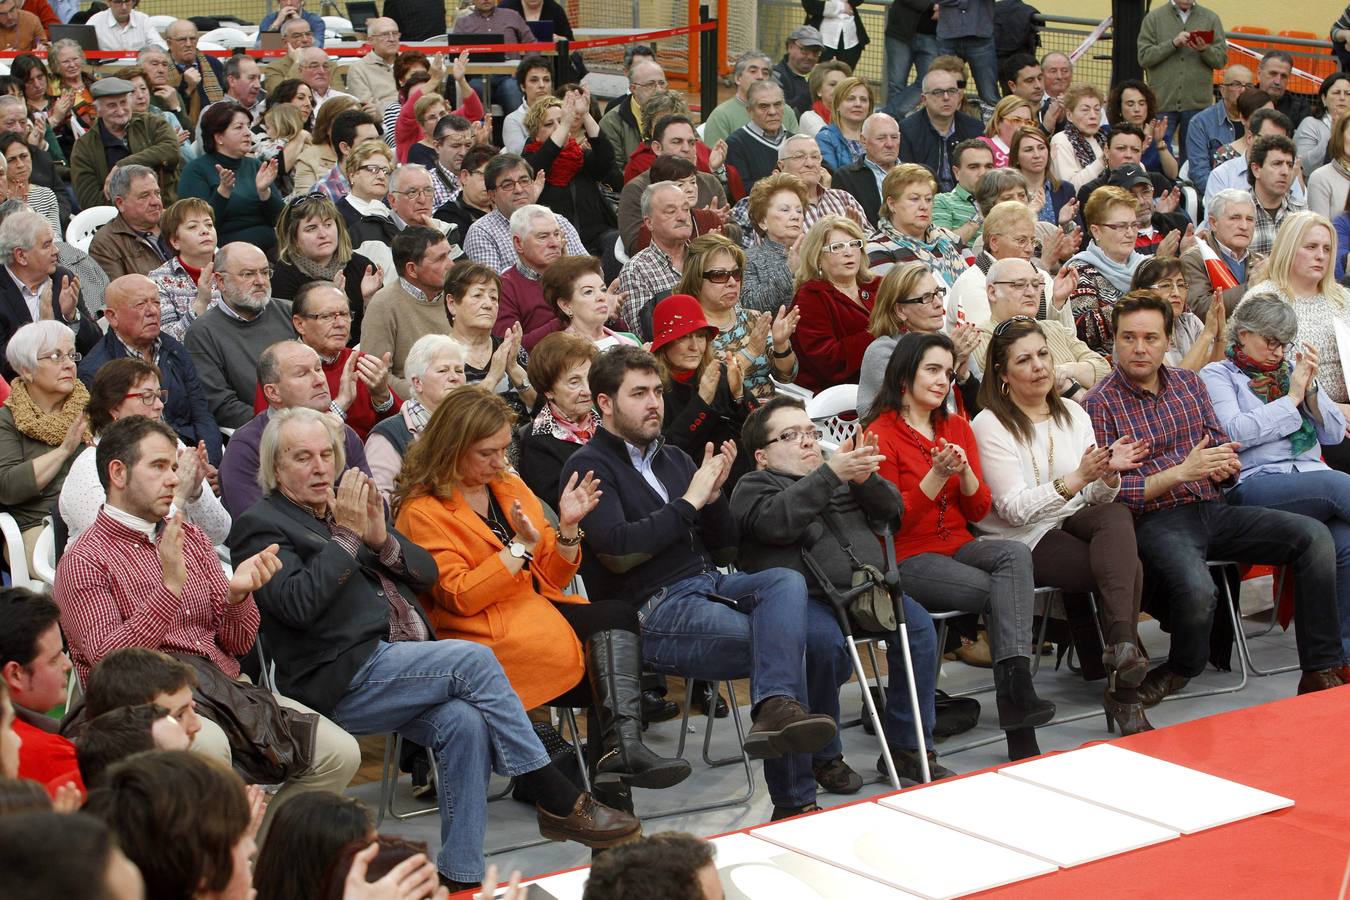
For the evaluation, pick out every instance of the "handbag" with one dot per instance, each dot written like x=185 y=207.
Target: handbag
x=872 y=609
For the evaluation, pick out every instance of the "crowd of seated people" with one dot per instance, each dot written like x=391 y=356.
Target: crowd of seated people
x=358 y=383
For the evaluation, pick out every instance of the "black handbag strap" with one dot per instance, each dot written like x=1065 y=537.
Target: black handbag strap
x=836 y=528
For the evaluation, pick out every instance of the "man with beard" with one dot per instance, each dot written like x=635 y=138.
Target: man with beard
x=226 y=340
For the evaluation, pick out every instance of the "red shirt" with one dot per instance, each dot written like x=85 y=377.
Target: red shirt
x=361 y=415
x=47 y=758
x=937 y=525
x=832 y=335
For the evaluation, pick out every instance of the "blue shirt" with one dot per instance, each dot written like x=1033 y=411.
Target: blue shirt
x=643 y=463
x=315 y=25
x=1209 y=130
x=1263 y=428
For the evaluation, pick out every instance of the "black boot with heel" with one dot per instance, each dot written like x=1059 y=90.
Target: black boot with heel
x=1020 y=710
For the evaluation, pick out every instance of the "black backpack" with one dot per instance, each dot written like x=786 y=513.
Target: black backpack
x=1016 y=28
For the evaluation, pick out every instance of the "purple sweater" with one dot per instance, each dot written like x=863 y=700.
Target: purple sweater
x=523 y=301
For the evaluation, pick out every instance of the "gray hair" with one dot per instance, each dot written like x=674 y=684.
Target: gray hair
x=522 y=220
x=427 y=348
x=1264 y=313
x=270 y=445
x=993 y=183
x=998 y=270
x=760 y=87
x=289 y=23
x=150 y=50
x=875 y=117
x=784 y=150
x=403 y=171
x=21 y=231
x=7 y=100
x=1226 y=198
x=745 y=59
x=33 y=340
x=269 y=367
x=66 y=44
x=650 y=191
x=120 y=183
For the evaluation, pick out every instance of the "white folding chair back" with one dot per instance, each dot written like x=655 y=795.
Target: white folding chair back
x=18 y=556
x=44 y=557
x=791 y=390
x=336 y=25
x=81 y=229
x=159 y=23
x=204 y=44
x=619 y=253
x=229 y=38
x=835 y=411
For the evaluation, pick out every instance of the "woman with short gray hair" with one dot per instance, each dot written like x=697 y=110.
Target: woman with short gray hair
x=1266 y=398
x=42 y=424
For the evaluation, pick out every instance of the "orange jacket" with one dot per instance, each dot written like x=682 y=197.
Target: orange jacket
x=477 y=599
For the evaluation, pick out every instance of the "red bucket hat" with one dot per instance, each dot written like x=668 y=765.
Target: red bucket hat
x=675 y=317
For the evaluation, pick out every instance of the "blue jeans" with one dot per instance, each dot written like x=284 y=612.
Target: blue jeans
x=453 y=697
x=979 y=52
x=505 y=91
x=786 y=648
x=1175 y=542
x=1324 y=496
x=902 y=95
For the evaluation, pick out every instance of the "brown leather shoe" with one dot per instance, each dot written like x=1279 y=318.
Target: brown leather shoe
x=1319 y=681
x=590 y=823
x=1158 y=684
x=782 y=725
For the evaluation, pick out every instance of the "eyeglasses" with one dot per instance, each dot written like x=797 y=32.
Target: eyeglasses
x=841 y=246
x=251 y=274
x=1002 y=327
x=1118 y=227
x=722 y=276
x=655 y=82
x=1273 y=344
x=1178 y=285
x=799 y=157
x=1021 y=285
x=373 y=169
x=184 y=39
x=797 y=436
x=512 y=185
x=385 y=34
x=58 y=357
x=328 y=318
x=416 y=193
x=937 y=293
x=1021 y=241
x=149 y=397
x=1233 y=85
x=944 y=92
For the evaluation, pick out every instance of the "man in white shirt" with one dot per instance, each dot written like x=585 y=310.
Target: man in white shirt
x=121 y=27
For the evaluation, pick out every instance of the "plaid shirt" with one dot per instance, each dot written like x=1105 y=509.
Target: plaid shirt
x=489 y=241
x=829 y=202
x=334 y=185
x=1172 y=421
x=1263 y=235
x=647 y=273
x=445 y=184
x=404 y=623
x=110 y=587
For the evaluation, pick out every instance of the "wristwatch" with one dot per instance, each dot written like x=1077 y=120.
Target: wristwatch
x=519 y=551
x=1074 y=387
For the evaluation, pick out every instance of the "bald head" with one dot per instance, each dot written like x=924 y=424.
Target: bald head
x=383 y=35
x=131 y=306
x=314 y=70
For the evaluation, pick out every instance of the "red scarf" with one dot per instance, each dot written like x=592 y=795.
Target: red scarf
x=821 y=110
x=568 y=163
x=683 y=377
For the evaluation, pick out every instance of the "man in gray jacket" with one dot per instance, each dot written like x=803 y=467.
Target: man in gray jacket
x=793 y=504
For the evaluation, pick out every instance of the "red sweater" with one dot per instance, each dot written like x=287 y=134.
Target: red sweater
x=644 y=156
x=832 y=335
x=407 y=131
x=908 y=459
x=361 y=415
x=46 y=758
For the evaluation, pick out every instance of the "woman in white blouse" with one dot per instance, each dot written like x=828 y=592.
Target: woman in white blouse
x=131 y=387
x=1053 y=489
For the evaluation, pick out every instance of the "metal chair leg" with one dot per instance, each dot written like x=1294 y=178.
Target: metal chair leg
x=569 y=717
x=739 y=800
x=1233 y=616
x=1241 y=637
x=389 y=783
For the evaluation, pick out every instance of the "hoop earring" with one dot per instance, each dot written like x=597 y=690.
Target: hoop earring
x=1003 y=388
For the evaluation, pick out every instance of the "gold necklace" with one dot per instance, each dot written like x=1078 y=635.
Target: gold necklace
x=1050 y=455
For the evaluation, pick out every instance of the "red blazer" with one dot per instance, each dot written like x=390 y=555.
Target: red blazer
x=832 y=335
x=908 y=459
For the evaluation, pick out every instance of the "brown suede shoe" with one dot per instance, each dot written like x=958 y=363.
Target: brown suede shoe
x=1319 y=681
x=782 y=725
x=590 y=823
x=1158 y=684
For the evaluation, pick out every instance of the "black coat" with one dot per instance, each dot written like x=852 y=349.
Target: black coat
x=14 y=315
x=542 y=457
x=692 y=424
x=920 y=143
x=287 y=279
x=362 y=228
x=580 y=200
x=323 y=613
x=858 y=179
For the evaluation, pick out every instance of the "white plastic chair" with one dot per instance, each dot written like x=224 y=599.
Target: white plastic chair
x=834 y=410
x=336 y=25
x=619 y=253
x=229 y=38
x=792 y=390
x=81 y=229
x=159 y=23
x=702 y=127
x=44 y=556
x=204 y=44
x=18 y=556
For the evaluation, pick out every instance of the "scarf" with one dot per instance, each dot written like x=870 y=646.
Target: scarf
x=415 y=415
x=938 y=248
x=1082 y=148
x=565 y=167
x=370 y=207
x=314 y=271
x=1270 y=383
x=49 y=428
x=551 y=421
x=1119 y=274
x=194 y=274
x=821 y=110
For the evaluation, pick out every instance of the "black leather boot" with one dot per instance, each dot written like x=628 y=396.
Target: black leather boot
x=614 y=665
x=1018 y=705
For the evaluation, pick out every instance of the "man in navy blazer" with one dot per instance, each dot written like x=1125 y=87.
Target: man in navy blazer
x=34 y=287
x=132 y=310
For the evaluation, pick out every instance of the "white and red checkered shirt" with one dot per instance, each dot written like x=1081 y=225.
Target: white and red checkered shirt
x=110 y=587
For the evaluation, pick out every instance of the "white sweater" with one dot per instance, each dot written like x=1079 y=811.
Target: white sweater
x=1023 y=510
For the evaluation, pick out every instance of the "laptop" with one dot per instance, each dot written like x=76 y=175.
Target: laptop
x=475 y=40
x=84 y=35
x=543 y=30
x=360 y=13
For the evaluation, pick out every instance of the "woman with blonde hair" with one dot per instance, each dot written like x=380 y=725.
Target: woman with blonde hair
x=777 y=208
x=1329 y=186
x=841 y=140
x=1078 y=153
x=759 y=340
x=504 y=568
x=1104 y=269
x=429 y=109
x=835 y=293
x=368 y=169
x=1300 y=272
x=905 y=229
x=313 y=245
x=566 y=144
x=820 y=84
x=1011 y=114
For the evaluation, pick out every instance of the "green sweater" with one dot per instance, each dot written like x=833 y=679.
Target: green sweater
x=241 y=217
x=731 y=114
x=1182 y=78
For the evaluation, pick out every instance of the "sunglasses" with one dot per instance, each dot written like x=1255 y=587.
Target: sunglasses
x=1002 y=327
x=722 y=276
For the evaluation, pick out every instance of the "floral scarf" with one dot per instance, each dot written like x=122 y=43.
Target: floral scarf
x=551 y=421
x=49 y=428
x=1270 y=383
x=939 y=248
x=565 y=167
x=1082 y=144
